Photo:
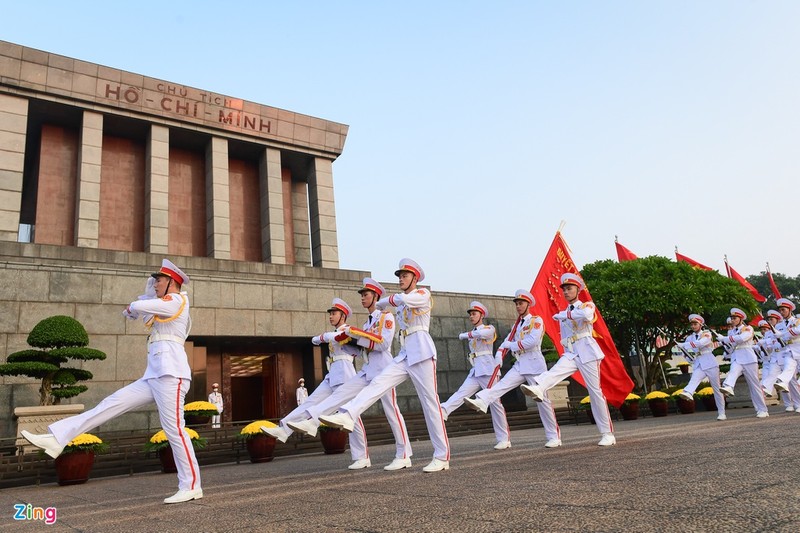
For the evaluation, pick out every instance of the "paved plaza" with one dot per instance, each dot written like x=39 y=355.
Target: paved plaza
x=678 y=473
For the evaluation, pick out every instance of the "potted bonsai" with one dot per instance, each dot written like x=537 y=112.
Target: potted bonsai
x=158 y=443
x=630 y=407
x=260 y=446
x=54 y=341
x=75 y=463
x=199 y=413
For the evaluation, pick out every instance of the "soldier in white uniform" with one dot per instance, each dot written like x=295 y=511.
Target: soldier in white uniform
x=581 y=352
x=524 y=341
x=705 y=364
x=768 y=348
x=301 y=394
x=165 y=311
x=484 y=374
x=416 y=360
x=743 y=361
x=787 y=329
x=216 y=398
x=375 y=341
x=342 y=353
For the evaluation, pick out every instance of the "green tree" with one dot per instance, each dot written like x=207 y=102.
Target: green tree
x=638 y=297
x=55 y=340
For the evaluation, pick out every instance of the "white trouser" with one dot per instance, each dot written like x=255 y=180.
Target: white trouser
x=793 y=396
x=590 y=371
x=423 y=376
x=472 y=385
x=712 y=374
x=168 y=393
x=514 y=379
x=789 y=371
x=215 y=420
x=346 y=392
x=358 y=438
x=750 y=371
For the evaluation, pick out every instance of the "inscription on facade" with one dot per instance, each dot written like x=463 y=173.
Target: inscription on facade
x=183 y=101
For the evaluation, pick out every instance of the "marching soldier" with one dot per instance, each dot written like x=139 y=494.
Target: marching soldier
x=484 y=373
x=340 y=369
x=704 y=365
x=416 y=361
x=165 y=310
x=788 y=331
x=524 y=342
x=581 y=352
x=375 y=341
x=739 y=343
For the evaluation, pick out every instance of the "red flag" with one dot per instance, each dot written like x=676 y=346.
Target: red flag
x=614 y=379
x=623 y=254
x=679 y=257
x=775 y=292
x=744 y=283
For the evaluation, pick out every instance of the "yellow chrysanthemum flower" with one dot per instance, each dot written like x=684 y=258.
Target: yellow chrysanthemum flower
x=705 y=391
x=656 y=395
x=632 y=396
x=85 y=438
x=200 y=406
x=254 y=428
x=586 y=400
x=162 y=437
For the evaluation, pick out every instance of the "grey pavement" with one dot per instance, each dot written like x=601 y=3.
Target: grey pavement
x=681 y=472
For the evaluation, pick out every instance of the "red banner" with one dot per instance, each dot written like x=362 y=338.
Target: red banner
x=679 y=257
x=623 y=254
x=744 y=283
x=614 y=379
x=775 y=292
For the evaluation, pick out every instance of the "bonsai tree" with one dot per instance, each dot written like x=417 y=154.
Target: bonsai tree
x=55 y=340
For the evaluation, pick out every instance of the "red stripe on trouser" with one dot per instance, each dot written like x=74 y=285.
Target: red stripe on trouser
x=364 y=431
x=397 y=421
x=441 y=418
x=182 y=433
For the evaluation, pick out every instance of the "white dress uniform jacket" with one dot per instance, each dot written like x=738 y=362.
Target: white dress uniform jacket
x=169 y=322
x=740 y=339
x=340 y=358
x=413 y=323
x=576 y=333
x=481 y=354
x=376 y=355
x=701 y=344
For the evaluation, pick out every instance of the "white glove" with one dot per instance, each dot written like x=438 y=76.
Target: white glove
x=328 y=336
x=150 y=287
x=560 y=316
x=127 y=313
x=508 y=345
x=382 y=304
x=316 y=340
x=346 y=329
x=463 y=336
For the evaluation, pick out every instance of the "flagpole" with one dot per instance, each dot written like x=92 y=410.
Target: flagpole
x=561 y=226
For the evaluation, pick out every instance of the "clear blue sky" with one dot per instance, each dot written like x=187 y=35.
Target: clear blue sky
x=476 y=127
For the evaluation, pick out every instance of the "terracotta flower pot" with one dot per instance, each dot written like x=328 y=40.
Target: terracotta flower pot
x=685 y=407
x=709 y=403
x=74 y=468
x=629 y=411
x=684 y=369
x=333 y=440
x=195 y=420
x=659 y=407
x=167 y=460
x=260 y=448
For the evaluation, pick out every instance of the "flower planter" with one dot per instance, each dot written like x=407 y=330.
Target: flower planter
x=333 y=440
x=658 y=407
x=167 y=461
x=709 y=403
x=260 y=448
x=74 y=468
x=195 y=420
x=685 y=407
x=684 y=369
x=629 y=411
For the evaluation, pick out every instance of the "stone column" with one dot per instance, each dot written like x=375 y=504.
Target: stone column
x=324 y=245
x=302 y=238
x=87 y=212
x=156 y=193
x=218 y=200
x=13 y=125
x=273 y=242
